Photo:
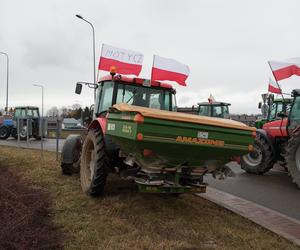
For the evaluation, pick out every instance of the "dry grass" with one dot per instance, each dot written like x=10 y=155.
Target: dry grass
x=126 y=219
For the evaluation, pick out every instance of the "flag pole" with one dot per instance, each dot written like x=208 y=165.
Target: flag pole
x=276 y=80
x=152 y=67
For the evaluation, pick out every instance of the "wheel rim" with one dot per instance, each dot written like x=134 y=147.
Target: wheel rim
x=298 y=158
x=23 y=132
x=254 y=158
x=2 y=132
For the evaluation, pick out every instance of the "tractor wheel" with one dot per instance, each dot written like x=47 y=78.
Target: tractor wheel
x=94 y=164
x=260 y=160
x=73 y=168
x=14 y=133
x=293 y=158
x=4 y=132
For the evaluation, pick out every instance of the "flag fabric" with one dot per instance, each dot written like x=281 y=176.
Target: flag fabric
x=211 y=99
x=272 y=87
x=127 y=62
x=286 y=68
x=169 y=69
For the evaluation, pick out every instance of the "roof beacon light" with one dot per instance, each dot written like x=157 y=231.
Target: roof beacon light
x=113 y=70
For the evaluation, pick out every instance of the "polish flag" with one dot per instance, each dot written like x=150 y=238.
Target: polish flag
x=127 y=62
x=286 y=68
x=272 y=87
x=211 y=99
x=169 y=69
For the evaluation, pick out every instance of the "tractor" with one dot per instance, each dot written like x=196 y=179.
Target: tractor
x=278 y=140
x=214 y=109
x=272 y=109
x=22 y=114
x=211 y=109
x=136 y=134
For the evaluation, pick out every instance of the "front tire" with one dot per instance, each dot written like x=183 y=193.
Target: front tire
x=94 y=164
x=4 y=132
x=261 y=160
x=293 y=158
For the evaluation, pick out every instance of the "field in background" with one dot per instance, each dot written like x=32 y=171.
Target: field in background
x=126 y=219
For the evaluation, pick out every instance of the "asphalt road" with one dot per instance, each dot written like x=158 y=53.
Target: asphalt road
x=274 y=190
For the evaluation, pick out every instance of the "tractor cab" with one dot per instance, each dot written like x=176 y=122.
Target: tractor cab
x=279 y=108
x=214 y=109
x=135 y=91
x=294 y=114
x=273 y=109
x=26 y=112
x=28 y=116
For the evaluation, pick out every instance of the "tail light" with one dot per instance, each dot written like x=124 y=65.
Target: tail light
x=139 y=137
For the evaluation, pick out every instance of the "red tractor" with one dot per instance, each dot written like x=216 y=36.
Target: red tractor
x=278 y=140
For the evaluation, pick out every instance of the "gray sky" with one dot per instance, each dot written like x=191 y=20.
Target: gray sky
x=225 y=43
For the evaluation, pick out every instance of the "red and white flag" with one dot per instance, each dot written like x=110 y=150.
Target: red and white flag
x=286 y=68
x=272 y=87
x=169 y=69
x=211 y=99
x=127 y=62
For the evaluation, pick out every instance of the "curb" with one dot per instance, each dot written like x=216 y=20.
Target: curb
x=276 y=222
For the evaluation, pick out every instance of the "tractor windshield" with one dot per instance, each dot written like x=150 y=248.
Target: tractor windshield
x=111 y=93
x=279 y=107
x=221 y=111
x=20 y=113
x=204 y=110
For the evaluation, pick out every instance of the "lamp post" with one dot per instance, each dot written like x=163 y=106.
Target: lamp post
x=94 y=56
x=7 y=70
x=41 y=121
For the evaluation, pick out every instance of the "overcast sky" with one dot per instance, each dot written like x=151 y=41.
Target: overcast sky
x=225 y=43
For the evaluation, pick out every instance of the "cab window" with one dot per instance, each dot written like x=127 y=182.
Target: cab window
x=106 y=93
x=226 y=112
x=204 y=110
x=217 y=111
x=273 y=112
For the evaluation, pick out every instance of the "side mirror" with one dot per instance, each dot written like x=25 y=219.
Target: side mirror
x=78 y=88
x=259 y=105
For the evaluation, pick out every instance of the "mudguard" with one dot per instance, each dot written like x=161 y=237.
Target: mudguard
x=269 y=139
x=71 y=149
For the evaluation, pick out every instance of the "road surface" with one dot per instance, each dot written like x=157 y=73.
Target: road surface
x=274 y=190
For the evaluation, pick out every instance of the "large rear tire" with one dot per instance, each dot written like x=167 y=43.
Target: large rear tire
x=261 y=160
x=94 y=164
x=293 y=158
x=4 y=132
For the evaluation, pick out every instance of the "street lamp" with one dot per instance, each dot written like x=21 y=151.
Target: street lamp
x=7 y=64
x=94 y=56
x=41 y=121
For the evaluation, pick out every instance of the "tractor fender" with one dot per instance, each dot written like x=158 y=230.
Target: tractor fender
x=71 y=149
x=268 y=138
x=100 y=122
